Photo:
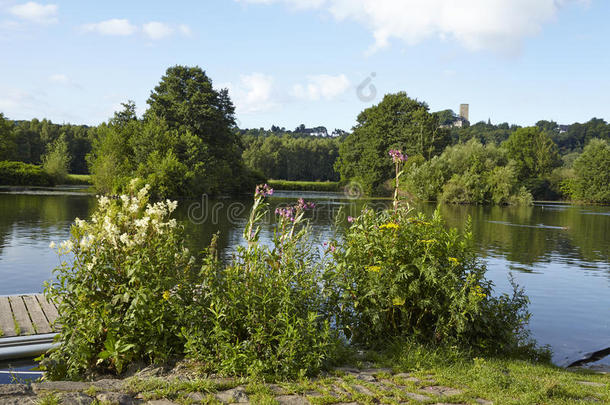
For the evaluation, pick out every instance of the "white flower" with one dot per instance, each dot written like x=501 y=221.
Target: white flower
x=142 y=223
x=103 y=201
x=86 y=242
x=125 y=238
x=79 y=222
x=125 y=199
x=66 y=246
x=171 y=205
x=52 y=245
x=90 y=266
x=172 y=223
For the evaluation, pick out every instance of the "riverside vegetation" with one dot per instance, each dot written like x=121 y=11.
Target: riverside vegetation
x=132 y=293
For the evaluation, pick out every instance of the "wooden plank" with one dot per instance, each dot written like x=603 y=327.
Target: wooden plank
x=7 y=324
x=21 y=315
x=37 y=315
x=49 y=310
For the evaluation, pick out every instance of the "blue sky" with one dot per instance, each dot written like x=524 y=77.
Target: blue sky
x=288 y=62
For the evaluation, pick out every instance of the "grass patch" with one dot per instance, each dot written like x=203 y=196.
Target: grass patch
x=78 y=179
x=49 y=399
x=287 y=185
x=499 y=380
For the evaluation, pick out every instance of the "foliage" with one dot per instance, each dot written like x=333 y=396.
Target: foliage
x=470 y=173
x=407 y=276
x=185 y=146
x=484 y=132
x=23 y=174
x=534 y=155
x=263 y=310
x=8 y=147
x=122 y=295
x=591 y=180
x=56 y=161
x=397 y=121
x=288 y=157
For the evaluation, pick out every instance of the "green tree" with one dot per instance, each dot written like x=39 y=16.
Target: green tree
x=592 y=177
x=8 y=147
x=396 y=122
x=56 y=161
x=534 y=153
x=185 y=145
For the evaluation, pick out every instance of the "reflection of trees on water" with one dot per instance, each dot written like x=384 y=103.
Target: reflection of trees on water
x=39 y=216
x=530 y=235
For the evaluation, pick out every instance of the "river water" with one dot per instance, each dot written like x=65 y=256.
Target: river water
x=560 y=254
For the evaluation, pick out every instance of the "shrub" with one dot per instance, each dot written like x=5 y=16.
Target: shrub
x=469 y=173
x=397 y=275
x=57 y=159
x=263 y=310
x=123 y=294
x=591 y=181
x=23 y=174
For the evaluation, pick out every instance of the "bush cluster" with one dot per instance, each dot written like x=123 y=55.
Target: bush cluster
x=122 y=287
x=23 y=174
x=131 y=292
x=400 y=275
x=470 y=173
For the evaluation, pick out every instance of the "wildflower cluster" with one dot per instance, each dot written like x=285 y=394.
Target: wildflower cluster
x=263 y=191
x=397 y=156
x=292 y=213
x=121 y=286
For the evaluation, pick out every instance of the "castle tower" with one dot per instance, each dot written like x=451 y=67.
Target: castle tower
x=464 y=111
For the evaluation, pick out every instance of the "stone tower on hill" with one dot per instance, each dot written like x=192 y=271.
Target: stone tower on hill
x=464 y=111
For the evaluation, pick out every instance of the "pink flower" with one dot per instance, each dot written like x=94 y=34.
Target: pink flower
x=350 y=219
x=263 y=191
x=397 y=156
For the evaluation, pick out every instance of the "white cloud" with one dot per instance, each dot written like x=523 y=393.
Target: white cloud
x=476 y=24
x=319 y=87
x=36 y=12
x=253 y=93
x=115 y=26
x=157 y=30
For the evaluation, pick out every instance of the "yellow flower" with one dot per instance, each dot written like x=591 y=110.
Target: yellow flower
x=427 y=240
x=454 y=260
x=376 y=269
x=389 y=225
x=397 y=302
x=166 y=295
x=478 y=291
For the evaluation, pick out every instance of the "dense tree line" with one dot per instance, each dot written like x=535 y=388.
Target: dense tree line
x=187 y=142
x=289 y=157
x=29 y=141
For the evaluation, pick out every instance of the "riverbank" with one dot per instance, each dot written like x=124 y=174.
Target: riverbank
x=287 y=185
x=393 y=381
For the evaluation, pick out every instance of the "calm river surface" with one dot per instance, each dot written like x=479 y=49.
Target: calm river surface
x=560 y=254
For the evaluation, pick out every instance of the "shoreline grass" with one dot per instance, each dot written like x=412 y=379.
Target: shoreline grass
x=289 y=185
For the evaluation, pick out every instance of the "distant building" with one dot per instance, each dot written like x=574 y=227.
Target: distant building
x=457 y=121
x=563 y=129
x=464 y=111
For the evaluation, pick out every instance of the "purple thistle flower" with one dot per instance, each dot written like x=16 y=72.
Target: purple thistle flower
x=397 y=156
x=263 y=191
